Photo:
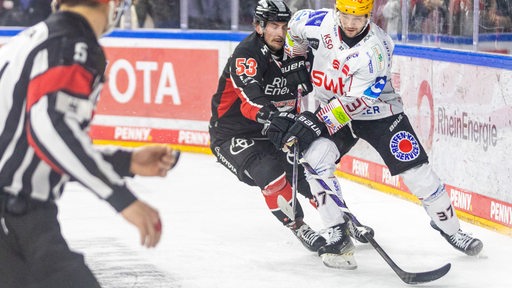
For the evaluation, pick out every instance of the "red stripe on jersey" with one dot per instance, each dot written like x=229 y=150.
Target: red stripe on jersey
x=227 y=98
x=39 y=152
x=249 y=110
x=74 y=79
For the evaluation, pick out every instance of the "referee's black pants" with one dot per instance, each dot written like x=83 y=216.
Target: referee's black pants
x=33 y=253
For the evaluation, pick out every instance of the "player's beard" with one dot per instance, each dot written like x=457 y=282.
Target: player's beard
x=276 y=44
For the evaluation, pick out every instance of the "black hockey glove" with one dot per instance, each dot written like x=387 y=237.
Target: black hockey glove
x=305 y=130
x=278 y=126
x=297 y=74
x=265 y=113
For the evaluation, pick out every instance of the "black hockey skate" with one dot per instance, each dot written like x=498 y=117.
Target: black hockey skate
x=462 y=241
x=339 y=250
x=357 y=233
x=307 y=236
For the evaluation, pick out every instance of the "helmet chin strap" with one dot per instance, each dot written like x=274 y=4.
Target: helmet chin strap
x=364 y=28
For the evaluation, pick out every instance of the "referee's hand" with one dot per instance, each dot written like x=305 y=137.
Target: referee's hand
x=153 y=160
x=147 y=220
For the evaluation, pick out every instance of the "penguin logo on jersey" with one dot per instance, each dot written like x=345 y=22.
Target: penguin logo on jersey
x=404 y=146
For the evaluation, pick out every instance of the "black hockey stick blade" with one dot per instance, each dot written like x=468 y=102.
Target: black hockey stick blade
x=176 y=154
x=408 y=277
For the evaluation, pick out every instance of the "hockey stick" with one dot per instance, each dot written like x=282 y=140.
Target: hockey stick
x=295 y=177
x=407 y=277
x=176 y=154
x=285 y=207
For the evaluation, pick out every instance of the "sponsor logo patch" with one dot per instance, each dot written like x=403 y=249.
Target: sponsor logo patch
x=240 y=144
x=314 y=43
x=404 y=146
x=376 y=89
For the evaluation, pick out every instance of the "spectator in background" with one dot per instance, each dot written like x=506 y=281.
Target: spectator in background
x=377 y=16
x=246 y=16
x=164 y=13
x=500 y=15
x=460 y=17
x=429 y=16
x=2 y=10
x=24 y=12
x=209 y=14
x=300 y=4
x=36 y=10
x=13 y=14
x=392 y=11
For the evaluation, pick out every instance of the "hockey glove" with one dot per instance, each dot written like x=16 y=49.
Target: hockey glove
x=305 y=130
x=265 y=113
x=278 y=126
x=297 y=74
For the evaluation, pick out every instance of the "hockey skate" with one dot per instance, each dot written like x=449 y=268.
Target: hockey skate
x=339 y=250
x=307 y=236
x=462 y=241
x=357 y=233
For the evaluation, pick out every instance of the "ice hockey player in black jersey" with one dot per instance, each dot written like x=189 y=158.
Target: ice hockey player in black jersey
x=253 y=103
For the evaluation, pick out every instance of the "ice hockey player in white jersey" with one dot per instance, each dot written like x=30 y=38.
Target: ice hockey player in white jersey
x=350 y=73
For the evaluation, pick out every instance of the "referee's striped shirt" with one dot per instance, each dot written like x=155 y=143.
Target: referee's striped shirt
x=50 y=78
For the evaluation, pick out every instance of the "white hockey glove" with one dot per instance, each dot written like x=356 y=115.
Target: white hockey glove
x=294 y=47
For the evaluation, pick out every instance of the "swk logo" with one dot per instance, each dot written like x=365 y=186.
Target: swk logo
x=240 y=144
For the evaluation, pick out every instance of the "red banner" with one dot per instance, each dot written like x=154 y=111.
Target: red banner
x=158 y=82
x=475 y=204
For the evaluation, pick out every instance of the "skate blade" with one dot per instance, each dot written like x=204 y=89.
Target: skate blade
x=340 y=261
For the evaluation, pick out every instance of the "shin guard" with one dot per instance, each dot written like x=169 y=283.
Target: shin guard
x=276 y=188
x=423 y=182
x=440 y=209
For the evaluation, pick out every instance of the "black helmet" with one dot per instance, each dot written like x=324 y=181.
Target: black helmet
x=272 y=10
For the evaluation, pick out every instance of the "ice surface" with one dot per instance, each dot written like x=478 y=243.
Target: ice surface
x=218 y=232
